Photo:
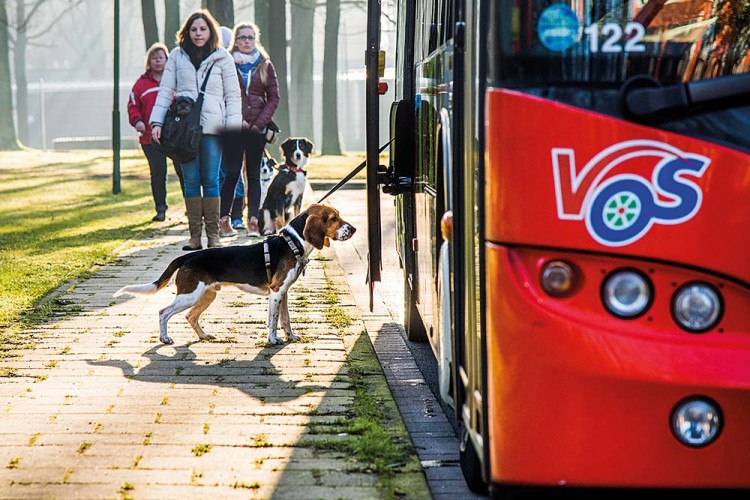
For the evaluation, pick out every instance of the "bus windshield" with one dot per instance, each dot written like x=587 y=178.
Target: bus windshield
x=608 y=41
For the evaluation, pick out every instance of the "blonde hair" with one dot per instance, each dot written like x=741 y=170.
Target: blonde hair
x=262 y=67
x=151 y=50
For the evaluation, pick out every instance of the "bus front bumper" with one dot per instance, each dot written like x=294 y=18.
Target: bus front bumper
x=579 y=398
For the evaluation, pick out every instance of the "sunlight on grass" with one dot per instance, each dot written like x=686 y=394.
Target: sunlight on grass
x=59 y=219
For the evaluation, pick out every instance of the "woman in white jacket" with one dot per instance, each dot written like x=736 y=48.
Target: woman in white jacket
x=199 y=48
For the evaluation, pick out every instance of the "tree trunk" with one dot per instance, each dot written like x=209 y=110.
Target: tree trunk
x=7 y=132
x=171 y=22
x=96 y=55
x=262 y=16
x=331 y=144
x=222 y=10
x=19 y=65
x=150 y=30
x=274 y=39
x=301 y=42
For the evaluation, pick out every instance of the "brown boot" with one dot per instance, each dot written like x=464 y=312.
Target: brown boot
x=211 y=209
x=194 y=211
x=252 y=227
x=225 y=227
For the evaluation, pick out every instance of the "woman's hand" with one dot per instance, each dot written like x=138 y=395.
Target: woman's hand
x=245 y=125
x=255 y=129
x=156 y=133
x=140 y=127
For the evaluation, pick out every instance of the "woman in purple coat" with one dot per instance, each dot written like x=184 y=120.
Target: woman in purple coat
x=260 y=98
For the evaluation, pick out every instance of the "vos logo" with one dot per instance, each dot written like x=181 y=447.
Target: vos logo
x=621 y=207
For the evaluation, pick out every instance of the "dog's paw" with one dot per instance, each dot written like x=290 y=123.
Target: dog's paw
x=275 y=340
x=206 y=336
x=291 y=337
x=166 y=340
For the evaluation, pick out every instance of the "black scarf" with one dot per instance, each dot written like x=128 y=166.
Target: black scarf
x=196 y=54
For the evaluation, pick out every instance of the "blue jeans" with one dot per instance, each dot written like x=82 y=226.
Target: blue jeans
x=202 y=172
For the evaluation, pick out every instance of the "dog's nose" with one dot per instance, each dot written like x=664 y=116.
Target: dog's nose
x=346 y=231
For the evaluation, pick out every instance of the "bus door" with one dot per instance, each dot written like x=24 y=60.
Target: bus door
x=374 y=66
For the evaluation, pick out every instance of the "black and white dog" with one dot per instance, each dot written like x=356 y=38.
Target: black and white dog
x=267 y=167
x=283 y=200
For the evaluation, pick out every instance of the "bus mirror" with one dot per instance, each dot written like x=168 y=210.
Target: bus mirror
x=446 y=225
x=402 y=149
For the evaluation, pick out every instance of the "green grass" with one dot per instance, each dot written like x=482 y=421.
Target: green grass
x=59 y=221
x=201 y=449
x=337 y=167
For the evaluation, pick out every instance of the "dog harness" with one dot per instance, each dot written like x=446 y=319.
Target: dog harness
x=295 y=246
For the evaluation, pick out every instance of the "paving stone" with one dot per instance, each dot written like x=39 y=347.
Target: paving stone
x=99 y=408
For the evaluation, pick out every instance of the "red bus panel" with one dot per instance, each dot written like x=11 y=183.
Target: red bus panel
x=576 y=395
x=553 y=168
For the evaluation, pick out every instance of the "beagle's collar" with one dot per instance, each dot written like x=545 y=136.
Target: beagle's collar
x=292 y=239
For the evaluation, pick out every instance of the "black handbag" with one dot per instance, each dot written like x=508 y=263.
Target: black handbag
x=181 y=131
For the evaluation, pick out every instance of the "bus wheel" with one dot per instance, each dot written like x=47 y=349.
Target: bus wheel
x=471 y=467
x=415 y=330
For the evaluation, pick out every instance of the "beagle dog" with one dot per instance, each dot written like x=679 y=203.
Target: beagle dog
x=284 y=197
x=269 y=267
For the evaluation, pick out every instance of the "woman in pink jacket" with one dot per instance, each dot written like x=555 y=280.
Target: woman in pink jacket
x=259 y=88
x=140 y=105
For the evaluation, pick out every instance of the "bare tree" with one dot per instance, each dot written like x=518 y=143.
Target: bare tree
x=262 y=13
x=301 y=67
x=150 y=30
x=222 y=10
x=276 y=43
x=19 y=65
x=7 y=131
x=331 y=143
x=171 y=22
x=25 y=12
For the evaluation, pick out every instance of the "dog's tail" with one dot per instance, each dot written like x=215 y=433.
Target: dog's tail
x=149 y=288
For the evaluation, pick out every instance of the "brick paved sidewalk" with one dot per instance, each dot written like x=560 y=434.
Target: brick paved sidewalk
x=98 y=408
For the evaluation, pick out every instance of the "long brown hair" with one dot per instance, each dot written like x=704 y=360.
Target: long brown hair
x=183 y=36
x=262 y=67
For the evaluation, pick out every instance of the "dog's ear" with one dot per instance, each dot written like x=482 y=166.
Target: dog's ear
x=309 y=146
x=315 y=231
x=272 y=162
x=284 y=146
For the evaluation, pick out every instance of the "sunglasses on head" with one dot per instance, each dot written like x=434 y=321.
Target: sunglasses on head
x=244 y=38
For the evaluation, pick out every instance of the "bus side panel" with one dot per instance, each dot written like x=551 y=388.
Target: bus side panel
x=557 y=176
x=578 y=400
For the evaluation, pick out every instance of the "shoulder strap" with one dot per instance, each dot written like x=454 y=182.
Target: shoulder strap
x=199 y=102
x=205 y=79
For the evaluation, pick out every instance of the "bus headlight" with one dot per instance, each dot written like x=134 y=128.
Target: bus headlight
x=626 y=293
x=557 y=278
x=696 y=422
x=696 y=307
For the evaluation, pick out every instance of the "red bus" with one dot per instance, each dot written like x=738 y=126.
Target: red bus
x=570 y=180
